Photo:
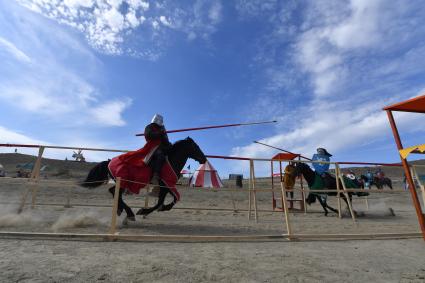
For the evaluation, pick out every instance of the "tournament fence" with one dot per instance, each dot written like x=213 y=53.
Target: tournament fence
x=252 y=209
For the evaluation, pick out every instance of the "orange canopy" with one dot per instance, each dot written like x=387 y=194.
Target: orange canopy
x=285 y=156
x=416 y=104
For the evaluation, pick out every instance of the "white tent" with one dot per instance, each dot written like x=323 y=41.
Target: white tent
x=206 y=176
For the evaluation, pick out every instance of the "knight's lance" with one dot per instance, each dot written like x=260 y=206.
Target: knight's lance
x=281 y=149
x=214 y=127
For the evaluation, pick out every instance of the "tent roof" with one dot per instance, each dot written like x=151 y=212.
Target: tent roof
x=206 y=167
x=285 y=156
x=416 y=104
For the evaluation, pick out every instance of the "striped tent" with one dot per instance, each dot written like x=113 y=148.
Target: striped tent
x=206 y=176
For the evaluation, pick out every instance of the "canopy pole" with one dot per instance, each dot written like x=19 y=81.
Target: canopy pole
x=282 y=150
x=416 y=203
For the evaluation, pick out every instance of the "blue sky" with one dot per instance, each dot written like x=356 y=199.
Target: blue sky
x=93 y=73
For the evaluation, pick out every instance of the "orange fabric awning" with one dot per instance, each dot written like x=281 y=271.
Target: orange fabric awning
x=285 y=156
x=416 y=104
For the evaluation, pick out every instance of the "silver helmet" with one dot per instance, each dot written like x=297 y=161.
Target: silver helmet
x=158 y=119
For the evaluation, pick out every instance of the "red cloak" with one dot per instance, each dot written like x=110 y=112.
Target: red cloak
x=132 y=168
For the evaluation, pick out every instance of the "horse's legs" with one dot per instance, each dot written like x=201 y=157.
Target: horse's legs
x=130 y=214
x=346 y=202
x=325 y=202
x=169 y=206
x=122 y=205
x=322 y=203
x=290 y=194
x=161 y=197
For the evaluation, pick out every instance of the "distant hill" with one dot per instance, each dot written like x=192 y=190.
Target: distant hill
x=54 y=168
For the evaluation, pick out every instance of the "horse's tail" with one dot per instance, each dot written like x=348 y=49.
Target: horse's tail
x=97 y=176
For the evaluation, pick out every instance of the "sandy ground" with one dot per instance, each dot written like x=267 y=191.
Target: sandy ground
x=321 y=261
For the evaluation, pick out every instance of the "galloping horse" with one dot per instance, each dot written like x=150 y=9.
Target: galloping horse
x=179 y=153
x=378 y=182
x=313 y=179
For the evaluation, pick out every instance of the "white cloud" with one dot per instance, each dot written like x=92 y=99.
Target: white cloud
x=215 y=12
x=14 y=51
x=111 y=26
x=12 y=137
x=361 y=29
x=52 y=86
x=322 y=48
x=254 y=8
x=165 y=21
x=78 y=3
x=110 y=113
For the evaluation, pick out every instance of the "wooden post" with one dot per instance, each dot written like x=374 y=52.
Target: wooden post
x=366 y=202
x=250 y=191
x=147 y=196
x=233 y=202
x=115 y=206
x=338 y=189
x=35 y=175
x=348 y=199
x=409 y=179
x=285 y=210
x=273 y=198
x=254 y=191
x=68 y=198
x=302 y=191
x=419 y=182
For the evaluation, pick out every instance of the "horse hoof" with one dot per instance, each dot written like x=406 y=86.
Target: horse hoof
x=131 y=218
x=141 y=211
x=392 y=213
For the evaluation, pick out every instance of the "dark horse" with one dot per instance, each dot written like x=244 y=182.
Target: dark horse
x=378 y=182
x=179 y=153
x=330 y=183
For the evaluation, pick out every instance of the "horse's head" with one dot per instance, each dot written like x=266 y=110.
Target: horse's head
x=299 y=168
x=289 y=177
x=195 y=151
x=304 y=170
x=190 y=149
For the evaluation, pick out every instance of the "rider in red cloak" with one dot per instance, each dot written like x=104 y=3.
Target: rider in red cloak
x=148 y=162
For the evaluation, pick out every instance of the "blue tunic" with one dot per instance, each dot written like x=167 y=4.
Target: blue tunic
x=321 y=167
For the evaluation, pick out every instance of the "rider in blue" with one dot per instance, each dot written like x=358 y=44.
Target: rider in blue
x=321 y=155
x=322 y=168
x=369 y=176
